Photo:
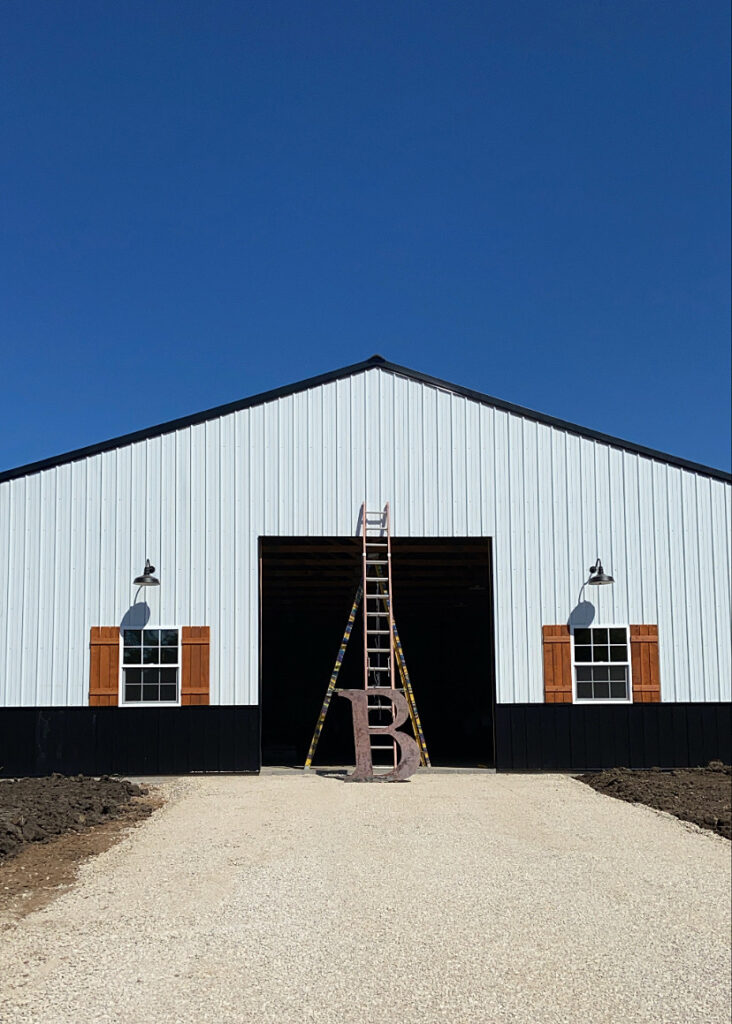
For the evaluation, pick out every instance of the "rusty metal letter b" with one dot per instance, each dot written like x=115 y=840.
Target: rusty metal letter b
x=362 y=731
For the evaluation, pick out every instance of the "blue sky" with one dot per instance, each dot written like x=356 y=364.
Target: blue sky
x=200 y=201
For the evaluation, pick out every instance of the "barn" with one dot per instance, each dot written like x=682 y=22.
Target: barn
x=250 y=514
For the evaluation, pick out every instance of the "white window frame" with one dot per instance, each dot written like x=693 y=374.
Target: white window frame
x=603 y=700
x=149 y=703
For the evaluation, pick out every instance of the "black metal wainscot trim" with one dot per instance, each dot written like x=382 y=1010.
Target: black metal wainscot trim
x=575 y=738
x=128 y=741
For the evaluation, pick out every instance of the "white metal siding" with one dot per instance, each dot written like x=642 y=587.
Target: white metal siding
x=196 y=500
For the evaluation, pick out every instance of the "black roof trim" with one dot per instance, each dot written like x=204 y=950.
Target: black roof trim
x=375 y=361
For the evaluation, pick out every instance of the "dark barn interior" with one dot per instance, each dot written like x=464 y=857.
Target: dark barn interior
x=444 y=615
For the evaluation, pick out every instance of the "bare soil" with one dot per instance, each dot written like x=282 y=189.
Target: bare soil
x=48 y=826
x=700 y=795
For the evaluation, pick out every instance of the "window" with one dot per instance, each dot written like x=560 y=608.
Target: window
x=150 y=666
x=601 y=664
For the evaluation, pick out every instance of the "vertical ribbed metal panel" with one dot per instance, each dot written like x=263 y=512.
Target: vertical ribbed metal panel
x=197 y=500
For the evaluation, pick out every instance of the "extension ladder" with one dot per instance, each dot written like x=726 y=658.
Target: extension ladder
x=382 y=646
x=378 y=625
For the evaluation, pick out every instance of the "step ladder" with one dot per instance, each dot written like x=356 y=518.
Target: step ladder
x=378 y=627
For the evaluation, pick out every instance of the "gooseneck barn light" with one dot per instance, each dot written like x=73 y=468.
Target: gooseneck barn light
x=598 y=576
x=147 y=579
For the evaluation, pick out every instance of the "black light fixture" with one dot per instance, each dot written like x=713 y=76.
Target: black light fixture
x=147 y=579
x=598 y=576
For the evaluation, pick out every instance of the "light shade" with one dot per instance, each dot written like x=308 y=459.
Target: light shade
x=598 y=576
x=147 y=579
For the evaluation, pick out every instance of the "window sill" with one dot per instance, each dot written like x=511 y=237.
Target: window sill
x=602 y=701
x=150 y=704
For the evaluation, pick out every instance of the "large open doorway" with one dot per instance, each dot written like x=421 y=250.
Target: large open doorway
x=444 y=613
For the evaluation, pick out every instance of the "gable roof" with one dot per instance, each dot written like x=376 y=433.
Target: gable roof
x=375 y=362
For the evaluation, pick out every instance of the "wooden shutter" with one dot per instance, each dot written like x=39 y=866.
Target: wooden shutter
x=557 y=665
x=645 y=664
x=195 y=648
x=104 y=666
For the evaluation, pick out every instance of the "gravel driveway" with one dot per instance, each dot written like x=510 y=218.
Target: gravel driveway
x=455 y=898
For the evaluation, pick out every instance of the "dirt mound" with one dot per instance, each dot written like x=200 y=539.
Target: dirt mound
x=700 y=795
x=35 y=810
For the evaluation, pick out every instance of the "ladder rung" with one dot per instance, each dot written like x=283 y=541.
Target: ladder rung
x=381 y=579
x=374 y=561
x=376 y=544
x=378 y=668
x=379 y=615
x=378 y=650
x=377 y=632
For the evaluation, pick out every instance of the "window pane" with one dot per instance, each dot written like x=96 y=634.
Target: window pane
x=582 y=636
x=150 y=693
x=133 y=675
x=602 y=690
x=169 y=675
x=602 y=674
x=600 y=654
x=150 y=655
x=151 y=637
x=132 y=637
x=150 y=676
x=132 y=692
x=618 y=672
x=168 y=637
x=168 y=655
x=618 y=653
x=618 y=690
x=583 y=654
x=599 y=635
x=618 y=636
x=584 y=673
x=131 y=656
x=584 y=691
x=167 y=692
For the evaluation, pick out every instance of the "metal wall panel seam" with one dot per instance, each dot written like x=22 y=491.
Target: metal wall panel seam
x=531 y=542
x=31 y=568
x=706 y=609
x=649 y=610
x=46 y=675
x=15 y=595
x=74 y=668
x=616 y=565
x=691 y=583
x=721 y=557
x=6 y=576
x=678 y=575
x=663 y=596
x=604 y=537
x=502 y=561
